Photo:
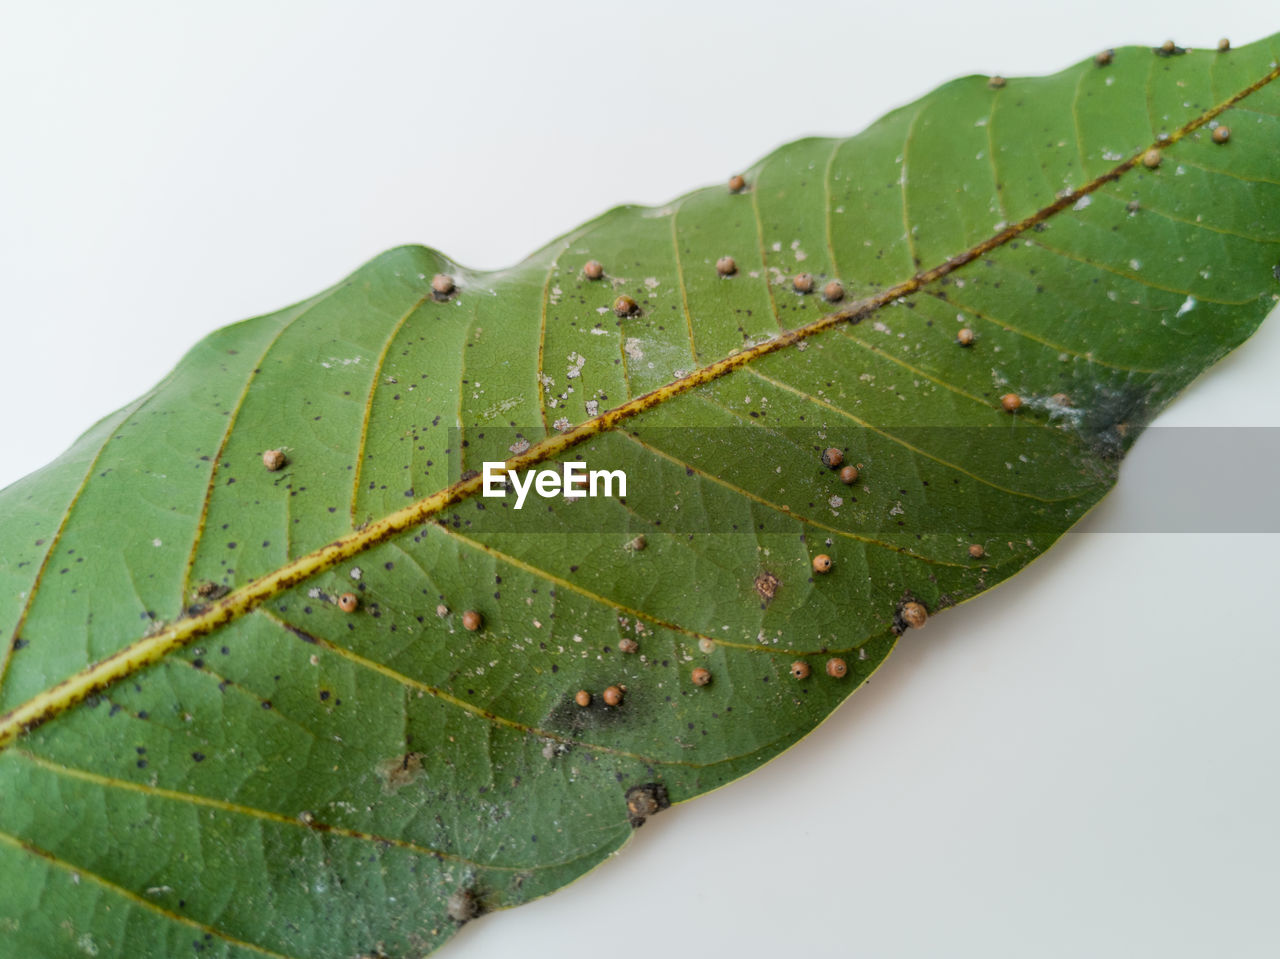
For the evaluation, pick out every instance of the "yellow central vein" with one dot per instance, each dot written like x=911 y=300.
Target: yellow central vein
x=149 y=650
x=34 y=850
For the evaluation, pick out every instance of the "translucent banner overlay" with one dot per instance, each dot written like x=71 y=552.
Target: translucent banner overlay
x=1022 y=478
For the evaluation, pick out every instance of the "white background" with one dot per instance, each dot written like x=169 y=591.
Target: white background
x=1084 y=762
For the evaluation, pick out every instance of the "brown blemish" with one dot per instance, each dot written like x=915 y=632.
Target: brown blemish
x=766 y=585
x=463 y=906
x=910 y=614
x=442 y=286
x=644 y=801
x=737 y=183
x=274 y=460
x=399 y=771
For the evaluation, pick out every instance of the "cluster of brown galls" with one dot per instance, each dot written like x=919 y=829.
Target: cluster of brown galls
x=912 y=613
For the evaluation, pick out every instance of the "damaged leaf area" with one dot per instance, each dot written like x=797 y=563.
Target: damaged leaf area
x=280 y=680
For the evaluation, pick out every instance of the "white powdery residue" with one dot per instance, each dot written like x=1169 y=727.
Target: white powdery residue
x=1180 y=170
x=576 y=362
x=880 y=327
x=314 y=593
x=577 y=638
x=897 y=509
x=593 y=408
x=835 y=502
x=980 y=122
x=1083 y=203
x=799 y=253
x=633 y=348
x=1135 y=264
x=356 y=572
x=651 y=282
x=1187 y=306
x=602 y=310
x=336 y=361
x=1110 y=80
x=157 y=542
x=777 y=248
x=562 y=424
x=1112 y=156
x=596 y=331
x=556 y=293
x=519 y=446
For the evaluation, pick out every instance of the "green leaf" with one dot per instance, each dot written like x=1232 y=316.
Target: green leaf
x=261 y=772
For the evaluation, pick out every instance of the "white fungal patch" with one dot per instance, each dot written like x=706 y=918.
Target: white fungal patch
x=157 y=542
x=1083 y=203
x=356 y=572
x=562 y=424
x=835 y=502
x=1188 y=305
x=1135 y=264
x=652 y=282
x=576 y=362
x=633 y=348
x=338 y=361
x=593 y=408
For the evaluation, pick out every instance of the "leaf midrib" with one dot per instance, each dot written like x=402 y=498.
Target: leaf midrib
x=152 y=649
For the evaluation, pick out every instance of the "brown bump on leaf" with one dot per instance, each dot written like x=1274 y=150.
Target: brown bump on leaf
x=800 y=669
x=442 y=285
x=442 y=610
x=637 y=544
x=472 y=621
x=1224 y=45
x=737 y=183
x=965 y=337
x=583 y=698
x=701 y=676
x=1133 y=206
x=628 y=645
x=1221 y=134
x=913 y=614
x=1151 y=159
x=1104 y=58
x=849 y=475
x=833 y=292
x=837 y=668
x=832 y=457
x=802 y=283
x=644 y=801
x=273 y=460
x=976 y=551
x=1061 y=399
x=726 y=266
x=399 y=771
x=707 y=644
x=348 y=602
x=995 y=83
x=612 y=696
x=1011 y=402
x=822 y=563
x=625 y=306
x=766 y=585
x=593 y=270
